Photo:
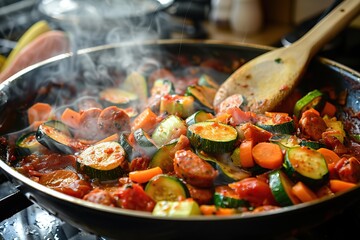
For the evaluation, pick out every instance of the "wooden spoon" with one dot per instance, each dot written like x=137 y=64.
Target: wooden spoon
x=267 y=80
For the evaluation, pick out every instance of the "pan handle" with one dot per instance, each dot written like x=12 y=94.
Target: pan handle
x=12 y=203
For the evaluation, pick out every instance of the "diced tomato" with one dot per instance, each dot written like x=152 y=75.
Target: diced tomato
x=133 y=196
x=254 y=190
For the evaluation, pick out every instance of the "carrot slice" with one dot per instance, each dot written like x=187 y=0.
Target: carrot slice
x=303 y=192
x=329 y=109
x=213 y=210
x=329 y=155
x=71 y=118
x=255 y=133
x=337 y=185
x=268 y=155
x=146 y=120
x=39 y=112
x=245 y=154
x=110 y=138
x=143 y=176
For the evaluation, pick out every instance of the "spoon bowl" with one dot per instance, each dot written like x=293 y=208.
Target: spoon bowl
x=268 y=79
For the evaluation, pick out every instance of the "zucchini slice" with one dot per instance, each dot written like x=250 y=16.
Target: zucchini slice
x=136 y=83
x=130 y=152
x=285 y=141
x=144 y=141
x=212 y=137
x=225 y=197
x=55 y=136
x=206 y=80
x=163 y=159
x=203 y=95
x=168 y=129
x=184 y=208
x=306 y=165
x=164 y=187
x=314 y=99
x=281 y=188
x=103 y=161
x=182 y=106
x=312 y=144
x=162 y=87
x=285 y=125
x=117 y=97
x=199 y=116
x=27 y=144
x=228 y=172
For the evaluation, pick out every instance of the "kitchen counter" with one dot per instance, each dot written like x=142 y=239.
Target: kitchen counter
x=269 y=35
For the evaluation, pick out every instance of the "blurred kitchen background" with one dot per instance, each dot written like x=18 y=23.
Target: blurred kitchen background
x=274 y=23
x=92 y=22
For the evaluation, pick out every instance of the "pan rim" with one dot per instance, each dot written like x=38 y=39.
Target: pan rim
x=138 y=214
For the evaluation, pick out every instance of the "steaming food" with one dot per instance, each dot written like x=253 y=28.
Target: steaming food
x=155 y=143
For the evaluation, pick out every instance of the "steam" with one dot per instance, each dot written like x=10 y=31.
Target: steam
x=94 y=22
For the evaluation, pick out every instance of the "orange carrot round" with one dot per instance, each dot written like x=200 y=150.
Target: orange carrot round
x=146 y=120
x=329 y=155
x=143 y=176
x=39 y=112
x=268 y=155
x=71 y=118
x=213 y=210
x=303 y=192
x=245 y=155
x=337 y=185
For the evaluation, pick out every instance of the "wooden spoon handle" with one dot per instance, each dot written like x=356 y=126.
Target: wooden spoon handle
x=329 y=26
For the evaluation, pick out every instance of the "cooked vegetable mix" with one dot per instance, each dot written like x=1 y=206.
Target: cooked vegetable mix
x=154 y=142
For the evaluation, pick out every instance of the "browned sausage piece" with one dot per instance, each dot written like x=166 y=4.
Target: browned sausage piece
x=201 y=195
x=194 y=170
x=312 y=125
x=348 y=169
x=100 y=196
x=113 y=119
x=88 y=124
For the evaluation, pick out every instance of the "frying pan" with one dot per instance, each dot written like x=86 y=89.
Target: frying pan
x=95 y=67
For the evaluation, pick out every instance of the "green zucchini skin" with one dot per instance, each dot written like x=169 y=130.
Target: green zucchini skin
x=103 y=161
x=203 y=96
x=167 y=128
x=312 y=144
x=179 y=105
x=162 y=87
x=198 y=116
x=306 y=165
x=227 y=171
x=285 y=141
x=165 y=187
x=55 y=136
x=144 y=141
x=212 y=137
x=117 y=97
x=281 y=128
x=27 y=144
x=130 y=152
x=276 y=123
x=206 y=80
x=281 y=188
x=163 y=159
x=224 y=201
x=314 y=99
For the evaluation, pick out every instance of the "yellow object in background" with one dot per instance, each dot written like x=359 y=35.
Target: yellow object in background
x=33 y=32
x=2 y=60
